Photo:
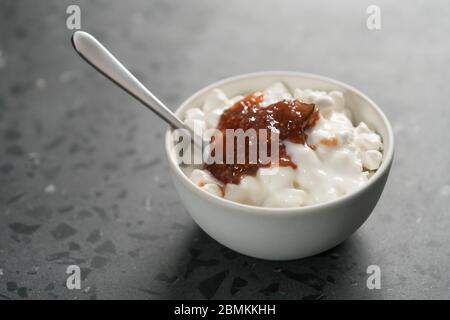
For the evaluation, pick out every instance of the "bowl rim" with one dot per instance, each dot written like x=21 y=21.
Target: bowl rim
x=381 y=171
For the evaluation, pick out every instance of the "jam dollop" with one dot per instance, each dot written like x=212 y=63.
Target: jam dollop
x=289 y=118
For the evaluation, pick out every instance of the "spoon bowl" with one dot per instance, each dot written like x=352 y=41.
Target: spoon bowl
x=284 y=233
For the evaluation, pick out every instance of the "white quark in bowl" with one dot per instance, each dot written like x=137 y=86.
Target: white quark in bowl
x=338 y=157
x=340 y=174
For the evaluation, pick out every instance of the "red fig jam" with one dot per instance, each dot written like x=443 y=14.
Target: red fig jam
x=290 y=118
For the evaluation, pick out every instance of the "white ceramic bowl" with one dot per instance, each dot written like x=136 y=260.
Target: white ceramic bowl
x=285 y=233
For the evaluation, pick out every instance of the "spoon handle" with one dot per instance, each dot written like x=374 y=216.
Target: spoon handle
x=91 y=50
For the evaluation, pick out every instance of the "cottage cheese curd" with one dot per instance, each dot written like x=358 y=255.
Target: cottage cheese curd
x=337 y=158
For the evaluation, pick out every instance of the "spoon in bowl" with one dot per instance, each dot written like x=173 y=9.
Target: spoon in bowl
x=94 y=53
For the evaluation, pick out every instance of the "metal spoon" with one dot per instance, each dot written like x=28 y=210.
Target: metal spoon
x=91 y=50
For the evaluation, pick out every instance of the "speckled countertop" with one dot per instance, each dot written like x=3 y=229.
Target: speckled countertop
x=83 y=178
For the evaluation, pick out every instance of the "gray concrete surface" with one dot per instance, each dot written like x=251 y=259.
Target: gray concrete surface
x=83 y=178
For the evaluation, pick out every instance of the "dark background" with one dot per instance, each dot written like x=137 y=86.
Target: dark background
x=83 y=178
